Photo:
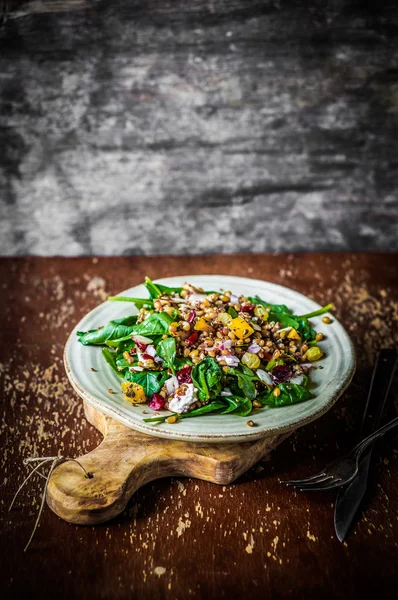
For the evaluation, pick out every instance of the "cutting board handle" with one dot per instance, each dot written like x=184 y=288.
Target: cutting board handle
x=127 y=459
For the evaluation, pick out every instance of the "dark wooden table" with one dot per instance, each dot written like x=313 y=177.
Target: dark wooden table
x=186 y=538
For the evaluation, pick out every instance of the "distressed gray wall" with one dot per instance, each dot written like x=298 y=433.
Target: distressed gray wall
x=197 y=126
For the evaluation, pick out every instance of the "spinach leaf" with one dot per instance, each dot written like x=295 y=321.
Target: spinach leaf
x=167 y=349
x=232 y=312
x=110 y=358
x=151 y=381
x=152 y=288
x=281 y=309
x=246 y=378
x=207 y=376
x=291 y=393
x=157 y=289
x=155 y=324
x=282 y=314
x=305 y=329
x=139 y=302
x=113 y=330
x=316 y=313
x=202 y=410
x=237 y=405
x=196 y=412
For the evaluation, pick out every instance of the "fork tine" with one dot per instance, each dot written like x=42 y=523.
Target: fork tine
x=327 y=479
x=323 y=486
x=305 y=479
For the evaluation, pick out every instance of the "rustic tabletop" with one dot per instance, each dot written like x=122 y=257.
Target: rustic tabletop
x=183 y=538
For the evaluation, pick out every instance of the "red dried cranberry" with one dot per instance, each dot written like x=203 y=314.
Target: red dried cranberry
x=192 y=338
x=156 y=402
x=146 y=356
x=267 y=356
x=281 y=373
x=141 y=346
x=184 y=374
x=191 y=316
x=247 y=308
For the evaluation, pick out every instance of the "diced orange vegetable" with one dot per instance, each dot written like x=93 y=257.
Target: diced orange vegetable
x=240 y=328
x=201 y=324
x=133 y=392
x=283 y=332
x=293 y=334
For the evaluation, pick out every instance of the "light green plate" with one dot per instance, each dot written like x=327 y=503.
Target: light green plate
x=327 y=384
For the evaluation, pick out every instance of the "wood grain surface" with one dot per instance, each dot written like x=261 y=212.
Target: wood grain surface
x=127 y=460
x=236 y=125
x=185 y=538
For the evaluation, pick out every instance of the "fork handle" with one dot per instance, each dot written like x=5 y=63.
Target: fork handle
x=361 y=447
x=383 y=372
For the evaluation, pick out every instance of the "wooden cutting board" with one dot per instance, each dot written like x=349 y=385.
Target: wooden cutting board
x=127 y=459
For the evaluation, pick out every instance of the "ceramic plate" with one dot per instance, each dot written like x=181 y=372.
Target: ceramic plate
x=328 y=383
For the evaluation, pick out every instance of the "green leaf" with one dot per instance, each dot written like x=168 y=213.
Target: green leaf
x=110 y=358
x=152 y=288
x=157 y=289
x=155 y=324
x=116 y=343
x=291 y=393
x=305 y=329
x=139 y=302
x=113 y=330
x=207 y=376
x=245 y=379
x=316 y=313
x=275 y=308
x=196 y=412
x=167 y=350
x=232 y=312
x=282 y=314
x=237 y=405
x=151 y=381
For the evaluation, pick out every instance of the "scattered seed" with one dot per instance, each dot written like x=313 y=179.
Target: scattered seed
x=326 y=320
x=92 y=369
x=250 y=423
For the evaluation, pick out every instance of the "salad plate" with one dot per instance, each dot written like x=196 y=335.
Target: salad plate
x=95 y=381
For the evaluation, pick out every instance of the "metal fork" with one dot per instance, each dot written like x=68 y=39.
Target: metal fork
x=343 y=470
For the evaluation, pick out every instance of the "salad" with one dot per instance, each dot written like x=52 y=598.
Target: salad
x=194 y=352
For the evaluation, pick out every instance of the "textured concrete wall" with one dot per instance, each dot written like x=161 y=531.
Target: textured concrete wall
x=196 y=126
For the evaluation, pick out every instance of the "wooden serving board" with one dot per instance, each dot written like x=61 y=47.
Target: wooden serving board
x=127 y=459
